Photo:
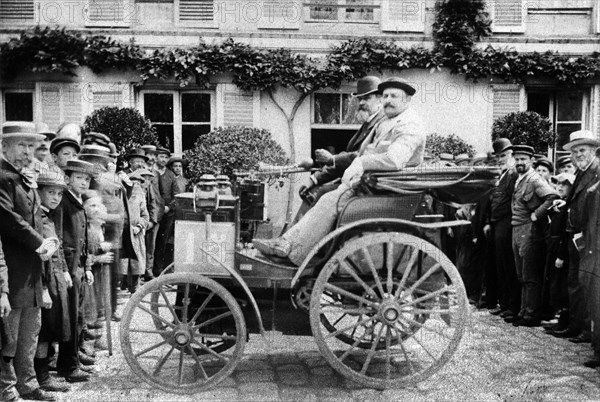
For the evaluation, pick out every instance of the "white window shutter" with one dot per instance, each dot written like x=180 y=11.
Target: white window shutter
x=17 y=10
x=109 y=95
x=110 y=13
x=49 y=102
x=239 y=108
x=508 y=16
x=280 y=14
x=59 y=103
x=507 y=99
x=596 y=15
x=195 y=12
x=403 y=15
x=595 y=108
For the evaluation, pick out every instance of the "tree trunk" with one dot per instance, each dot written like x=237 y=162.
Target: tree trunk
x=290 y=122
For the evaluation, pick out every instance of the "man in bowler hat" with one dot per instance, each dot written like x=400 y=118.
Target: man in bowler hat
x=397 y=142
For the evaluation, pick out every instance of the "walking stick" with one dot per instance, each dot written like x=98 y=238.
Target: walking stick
x=107 y=306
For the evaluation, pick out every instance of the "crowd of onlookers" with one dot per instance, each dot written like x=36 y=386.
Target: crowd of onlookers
x=76 y=236
x=530 y=253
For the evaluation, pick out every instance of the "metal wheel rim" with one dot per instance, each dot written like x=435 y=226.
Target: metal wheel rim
x=181 y=342
x=453 y=293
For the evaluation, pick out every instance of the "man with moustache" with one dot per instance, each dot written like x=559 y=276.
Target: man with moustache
x=531 y=200
x=500 y=231
x=397 y=142
x=582 y=145
x=24 y=250
x=370 y=114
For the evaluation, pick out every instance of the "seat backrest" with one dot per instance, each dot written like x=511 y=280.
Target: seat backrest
x=379 y=206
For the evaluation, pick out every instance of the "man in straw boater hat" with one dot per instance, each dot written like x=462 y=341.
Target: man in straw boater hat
x=582 y=145
x=25 y=249
x=507 y=289
x=532 y=198
x=369 y=113
x=150 y=151
x=397 y=142
x=78 y=175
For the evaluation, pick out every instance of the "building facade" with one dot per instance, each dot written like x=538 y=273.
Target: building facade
x=325 y=119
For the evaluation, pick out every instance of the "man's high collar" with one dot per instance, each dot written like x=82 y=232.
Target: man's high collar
x=161 y=171
x=11 y=164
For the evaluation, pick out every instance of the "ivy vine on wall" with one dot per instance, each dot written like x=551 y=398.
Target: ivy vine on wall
x=459 y=25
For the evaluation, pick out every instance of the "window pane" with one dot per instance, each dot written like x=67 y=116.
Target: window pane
x=327 y=109
x=191 y=133
x=349 y=108
x=158 y=107
x=569 y=106
x=359 y=13
x=323 y=12
x=18 y=106
x=562 y=133
x=195 y=107
x=539 y=103
x=165 y=135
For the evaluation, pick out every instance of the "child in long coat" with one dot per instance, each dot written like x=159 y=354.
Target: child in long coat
x=56 y=326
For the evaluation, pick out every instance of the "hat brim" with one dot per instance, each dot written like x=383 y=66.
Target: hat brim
x=144 y=157
x=394 y=84
x=50 y=184
x=582 y=141
x=105 y=157
x=357 y=95
x=176 y=160
x=503 y=149
x=28 y=136
x=79 y=170
x=64 y=142
x=50 y=135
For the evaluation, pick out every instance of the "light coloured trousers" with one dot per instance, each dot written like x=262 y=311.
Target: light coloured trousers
x=316 y=223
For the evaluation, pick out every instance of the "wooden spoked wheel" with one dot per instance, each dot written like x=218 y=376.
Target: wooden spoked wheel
x=183 y=333
x=388 y=309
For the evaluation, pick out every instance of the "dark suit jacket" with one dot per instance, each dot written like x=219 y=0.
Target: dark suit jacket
x=73 y=231
x=167 y=184
x=344 y=159
x=154 y=201
x=20 y=229
x=575 y=203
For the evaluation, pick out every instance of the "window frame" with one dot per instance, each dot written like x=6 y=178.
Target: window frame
x=339 y=126
x=342 y=7
x=177 y=110
x=586 y=110
x=17 y=90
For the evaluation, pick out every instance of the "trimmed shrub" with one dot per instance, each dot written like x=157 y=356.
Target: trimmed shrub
x=451 y=144
x=126 y=127
x=525 y=128
x=232 y=148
